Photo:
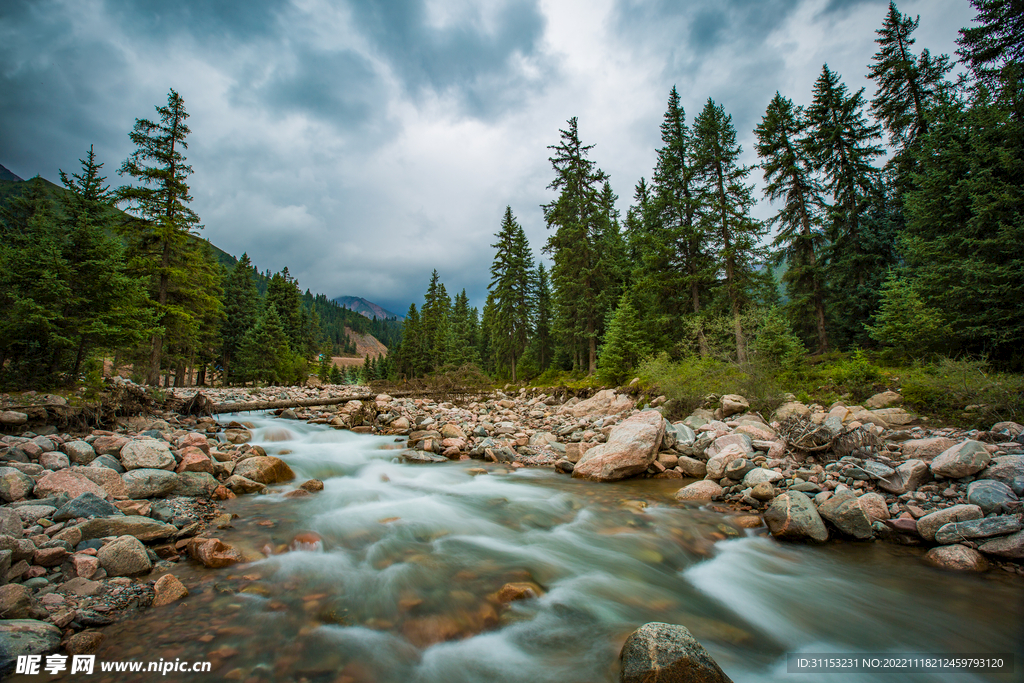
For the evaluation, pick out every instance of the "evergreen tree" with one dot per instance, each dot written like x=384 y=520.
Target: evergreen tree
x=542 y=318
x=789 y=176
x=576 y=275
x=623 y=346
x=335 y=376
x=725 y=203
x=907 y=86
x=434 y=323
x=511 y=286
x=241 y=307
x=462 y=345
x=994 y=50
x=161 y=205
x=265 y=355
x=284 y=294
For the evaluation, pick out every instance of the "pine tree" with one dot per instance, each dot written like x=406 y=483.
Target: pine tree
x=434 y=323
x=725 y=203
x=542 y=318
x=511 y=286
x=907 y=86
x=462 y=345
x=994 y=50
x=161 y=205
x=623 y=346
x=284 y=294
x=576 y=274
x=265 y=355
x=789 y=177
x=241 y=307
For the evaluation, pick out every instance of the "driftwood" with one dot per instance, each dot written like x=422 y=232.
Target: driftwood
x=217 y=408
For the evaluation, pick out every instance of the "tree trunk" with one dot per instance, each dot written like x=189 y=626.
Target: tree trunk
x=78 y=358
x=201 y=378
x=592 y=347
x=158 y=341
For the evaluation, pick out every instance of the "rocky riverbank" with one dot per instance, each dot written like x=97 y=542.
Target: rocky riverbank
x=92 y=523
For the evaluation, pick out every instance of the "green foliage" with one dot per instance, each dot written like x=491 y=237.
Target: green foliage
x=511 y=290
x=964 y=392
x=775 y=344
x=623 y=346
x=265 y=355
x=905 y=325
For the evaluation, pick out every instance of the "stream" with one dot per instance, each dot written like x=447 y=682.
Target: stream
x=404 y=587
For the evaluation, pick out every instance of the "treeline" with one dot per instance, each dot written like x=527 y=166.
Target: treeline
x=81 y=281
x=922 y=254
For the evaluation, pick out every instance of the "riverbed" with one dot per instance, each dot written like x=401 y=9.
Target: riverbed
x=403 y=583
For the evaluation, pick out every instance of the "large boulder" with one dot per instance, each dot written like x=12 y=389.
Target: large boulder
x=930 y=523
x=104 y=477
x=124 y=556
x=70 y=482
x=631 y=448
x=1009 y=547
x=79 y=452
x=845 y=513
x=997 y=525
x=149 y=483
x=193 y=484
x=667 y=653
x=961 y=460
x=21 y=637
x=1004 y=468
x=265 y=469
x=741 y=441
x=12 y=418
x=605 y=402
x=792 y=516
x=733 y=404
x=147 y=454
x=142 y=528
x=992 y=496
x=14 y=484
x=926 y=449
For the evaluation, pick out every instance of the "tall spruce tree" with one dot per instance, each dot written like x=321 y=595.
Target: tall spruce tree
x=623 y=346
x=908 y=86
x=994 y=50
x=725 y=203
x=160 y=202
x=576 y=275
x=542 y=337
x=265 y=355
x=789 y=177
x=241 y=307
x=512 y=289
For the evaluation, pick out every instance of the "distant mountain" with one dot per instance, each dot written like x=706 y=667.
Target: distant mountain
x=7 y=175
x=367 y=308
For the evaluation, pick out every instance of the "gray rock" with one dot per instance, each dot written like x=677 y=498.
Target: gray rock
x=721 y=443
x=417 y=456
x=691 y=467
x=86 y=505
x=738 y=468
x=991 y=496
x=14 y=484
x=240 y=484
x=147 y=454
x=684 y=434
x=846 y=514
x=10 y=523
x=124 y=556
x=1009 y=547
x=79 y=452
x=194 y=484
x=961 y=460
x=792 y=516
x=1004 y=468
x=149 y=483
x=909 y=476
x=6 y=560
x=20 y=637
x=760 y=474
x=142 y=528
x=30 y=514
x=45 y=444
x=977 y=528
x=929 y=524
x=12 y=418
x=667 y=653
x=877 y=470
x=109 y=462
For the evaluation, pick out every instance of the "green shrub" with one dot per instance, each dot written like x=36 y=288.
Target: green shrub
x=946 y=388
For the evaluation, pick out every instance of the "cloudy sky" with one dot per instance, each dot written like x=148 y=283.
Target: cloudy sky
x=363 y=143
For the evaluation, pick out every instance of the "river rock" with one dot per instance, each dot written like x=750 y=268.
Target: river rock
x=926 y=449
x=10 y=523
x=149 y=483
x=20 y=637
x=957 y=558
x=684 y=434
x=142 y=528
x=265 y=469
x=168 y=589
x=733 y=404
x=87 y=505
x=604 y=402
x=846 y=514
x=17 y=602
x=194 y=460
x=667 y=653
x=955 y=532
x=691 y=467
x=574 y=451
x=991 y=496
x=961 y=460
x=909 y=476
x=104 y=477
x=69 y=482
x=79 y=452
x=109 y=444
x=700 y=490
x=631 y=448
x=1004 y=468
x=741 y=441
x=874 y=505
x=883 y=400
x=718 y=463
x=1009 y=547
x=894 y=417
x=124 y=556
x=242 y=485
x=762 y=491
x=14 y=484
x=212 y=552
x=12 y=418
x=30 y=514
x=929 y=524
x=107 y=462
x=193 y=484
x=193 y=440
x=147 y=453
x=759 y=475
x=792 y=410
x=792 y=516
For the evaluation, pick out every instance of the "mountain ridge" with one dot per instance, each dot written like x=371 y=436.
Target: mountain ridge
x=366 y=308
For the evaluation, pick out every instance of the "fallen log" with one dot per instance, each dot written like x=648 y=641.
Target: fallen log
x=218 y=408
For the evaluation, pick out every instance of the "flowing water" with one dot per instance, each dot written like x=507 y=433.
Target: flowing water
x=405 y=585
